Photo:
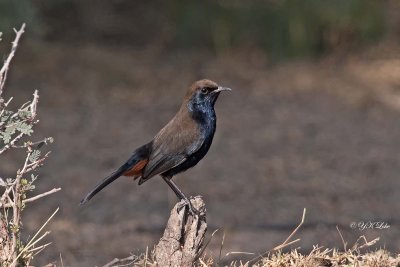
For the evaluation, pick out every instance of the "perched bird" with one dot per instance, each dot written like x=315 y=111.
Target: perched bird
x=180 y=145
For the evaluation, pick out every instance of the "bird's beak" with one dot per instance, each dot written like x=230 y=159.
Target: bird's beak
x=220 y=89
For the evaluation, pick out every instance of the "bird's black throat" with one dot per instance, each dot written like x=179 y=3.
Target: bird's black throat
x=202 y=111
x=201 y=108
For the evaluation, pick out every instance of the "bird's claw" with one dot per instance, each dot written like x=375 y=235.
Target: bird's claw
x=191 y=209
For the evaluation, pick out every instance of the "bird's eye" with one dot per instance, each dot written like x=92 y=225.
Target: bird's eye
x=204 y=90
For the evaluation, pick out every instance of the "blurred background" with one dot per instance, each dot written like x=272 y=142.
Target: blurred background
x=313 y=121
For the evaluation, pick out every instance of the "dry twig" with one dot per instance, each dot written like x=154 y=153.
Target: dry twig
x=6 y=65
x=286 y=243
x=127 y=260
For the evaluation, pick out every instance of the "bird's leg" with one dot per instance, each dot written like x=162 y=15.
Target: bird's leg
x=180 y=194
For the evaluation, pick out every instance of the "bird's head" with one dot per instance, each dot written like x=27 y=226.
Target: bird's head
x=203 y=94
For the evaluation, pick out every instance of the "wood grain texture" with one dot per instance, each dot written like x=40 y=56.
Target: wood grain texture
x=183 y=237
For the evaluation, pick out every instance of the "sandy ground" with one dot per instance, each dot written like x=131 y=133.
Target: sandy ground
x=321 y=135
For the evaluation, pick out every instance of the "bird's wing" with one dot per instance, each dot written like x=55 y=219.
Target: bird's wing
x=171 y=147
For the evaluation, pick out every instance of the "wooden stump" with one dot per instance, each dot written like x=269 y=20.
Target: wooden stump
x=183 y=237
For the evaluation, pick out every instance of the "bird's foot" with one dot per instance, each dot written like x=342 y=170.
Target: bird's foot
x=193 y=211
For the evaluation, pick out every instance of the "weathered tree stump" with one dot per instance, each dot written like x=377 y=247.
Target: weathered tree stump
x=183 y=237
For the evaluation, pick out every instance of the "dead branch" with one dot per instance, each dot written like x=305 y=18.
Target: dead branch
x=31 y=199
x=4 y=69
x=52 y=191
x=16 y=208
x=183 y=237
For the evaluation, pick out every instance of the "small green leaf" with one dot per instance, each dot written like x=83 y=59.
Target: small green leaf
x=24 y=128
x=6 y=115
x=11 y=128
x=6 y=137
x=34 y=156
x=24 y=114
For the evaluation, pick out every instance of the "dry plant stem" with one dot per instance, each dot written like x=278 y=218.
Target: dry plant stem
x=39 y=248
x=208 y=241
x=16 y=207
x=4 y=107
x=31 y=199
x=11 y=144
x=284 y=244
x=220 y=248
x=356 y=246
x=341 y=237
x=16 y=204
x=120 y=261
x=52 y=191
x=203 y=263
x=33 y=144
x=34 y=240
x=32 y=166
x=11 y=187
x=5 y=195
x=6 y=65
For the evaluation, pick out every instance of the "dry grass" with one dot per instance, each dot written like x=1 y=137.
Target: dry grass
x=360 y=254
x=329 y=257
x=317 y=257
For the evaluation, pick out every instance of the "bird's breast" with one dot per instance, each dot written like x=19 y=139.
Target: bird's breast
x=205 y=129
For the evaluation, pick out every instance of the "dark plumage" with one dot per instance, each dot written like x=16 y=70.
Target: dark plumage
x=180 y=145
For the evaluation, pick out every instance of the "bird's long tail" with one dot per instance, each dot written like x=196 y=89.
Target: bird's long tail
x=133 y=167
x=104 y=183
